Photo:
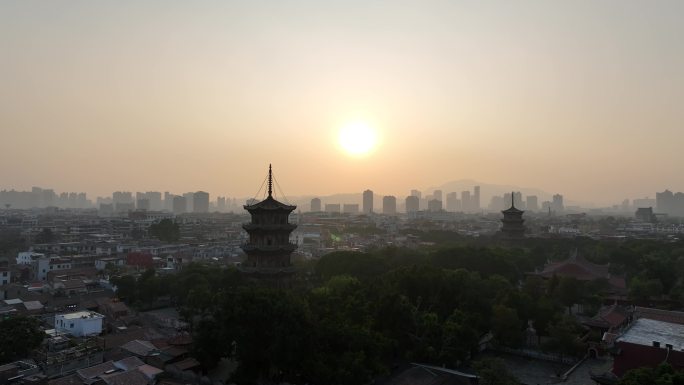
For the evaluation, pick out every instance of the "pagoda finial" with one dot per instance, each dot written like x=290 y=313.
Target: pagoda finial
x=270 y=181
x=513 y=199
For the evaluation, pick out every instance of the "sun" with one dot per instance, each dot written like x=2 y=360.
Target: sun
x=357 y=138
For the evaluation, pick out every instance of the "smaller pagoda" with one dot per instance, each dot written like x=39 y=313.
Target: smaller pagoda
x=269 y=248
x=513 y=222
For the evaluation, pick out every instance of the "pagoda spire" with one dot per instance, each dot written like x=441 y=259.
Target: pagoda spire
x=270 y=181
x=513 y=199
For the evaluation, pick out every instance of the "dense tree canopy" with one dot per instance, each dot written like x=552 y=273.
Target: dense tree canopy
x=18 y=337
x=351 y=316
x=166 y=230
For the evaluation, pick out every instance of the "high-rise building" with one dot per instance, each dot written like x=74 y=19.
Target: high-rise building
x=332 y=208
x=179 y=204
x=665 y=202
x=155 y=198
x=532 y=203
x=557 y=203
x=200 y=202
x=412 y=204
x=350 y=208
x=497 y=203
x=189 y=201
x=168 y=201
x=417 y=194
x=466 y=205
x=437 y=194
x=367 y=202
x=516 y=199
x=389 y=205
x=221 y=204
x=315 y=205
x=648 y=202
x=434 y=205
x=453 y=204
x=143 y=204
x=122 y=197
x=476 y=199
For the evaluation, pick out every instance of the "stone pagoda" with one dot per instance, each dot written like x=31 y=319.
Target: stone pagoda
x=513 y=222
x=268 y=248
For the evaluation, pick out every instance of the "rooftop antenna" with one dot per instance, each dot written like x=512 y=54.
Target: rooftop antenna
x=270 y=181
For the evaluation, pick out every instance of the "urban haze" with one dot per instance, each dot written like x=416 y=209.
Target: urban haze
x=341 y=192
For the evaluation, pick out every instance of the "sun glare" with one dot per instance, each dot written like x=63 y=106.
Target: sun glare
x=357 y=138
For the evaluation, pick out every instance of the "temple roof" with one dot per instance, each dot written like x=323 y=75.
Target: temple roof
x=609 y=317
x=512 y=209
x=579 y=268
x=269 y=204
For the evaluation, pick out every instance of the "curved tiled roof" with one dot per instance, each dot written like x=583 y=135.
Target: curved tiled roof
x=269 y=204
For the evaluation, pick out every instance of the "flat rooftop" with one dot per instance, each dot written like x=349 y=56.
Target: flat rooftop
x=645 y=331
x=82 y=314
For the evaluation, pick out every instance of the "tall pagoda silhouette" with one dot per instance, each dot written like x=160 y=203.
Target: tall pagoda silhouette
x=269 y=248
x=513 y=222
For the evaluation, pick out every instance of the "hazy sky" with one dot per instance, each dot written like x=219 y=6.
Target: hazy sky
x=585 y=98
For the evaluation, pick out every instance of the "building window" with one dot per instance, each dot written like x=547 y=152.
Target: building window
x=71 y=325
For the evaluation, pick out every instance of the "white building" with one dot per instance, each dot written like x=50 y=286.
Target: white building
x=80 y=323
x=46 y=265
x=102 y=263
x=28 y=257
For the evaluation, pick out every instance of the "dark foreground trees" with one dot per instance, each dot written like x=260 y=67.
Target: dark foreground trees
x=325 y=337
x=18 y=337
x=662 y=375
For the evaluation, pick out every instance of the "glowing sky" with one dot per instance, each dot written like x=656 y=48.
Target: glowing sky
x=585 y=98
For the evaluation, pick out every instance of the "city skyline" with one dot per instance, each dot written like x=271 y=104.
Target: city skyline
x=170 y=96
x=450 y=200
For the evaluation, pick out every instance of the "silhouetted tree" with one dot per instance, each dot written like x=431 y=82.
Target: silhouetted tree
x=166 y=230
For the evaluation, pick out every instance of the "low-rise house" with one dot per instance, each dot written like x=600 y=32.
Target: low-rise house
x=33 y=307
x=45 y=265
x=28 y=257
x=131 y=377
x=139 y=348
x=80 y=324
x=128 y=371
x=102 y=263
x=113 y=308
x=68 y=287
